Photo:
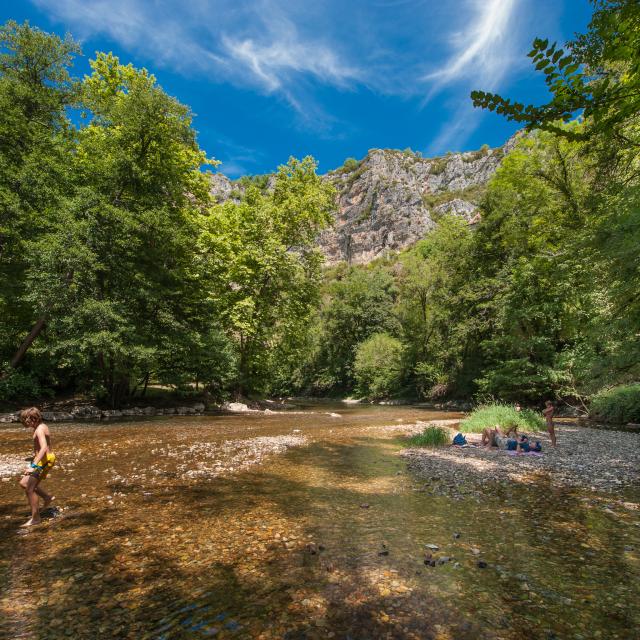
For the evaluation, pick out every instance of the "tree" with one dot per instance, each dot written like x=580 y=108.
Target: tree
x=534 y=286
x=128 y=233
x=378 y=366
x=357 y=303
x=36 y=145
x=263 y=267
x=432 y=306
x=598 y=77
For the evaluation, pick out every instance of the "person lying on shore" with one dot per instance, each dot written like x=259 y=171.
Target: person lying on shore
x=42 y=461
x=489 y=435
x=519 y=443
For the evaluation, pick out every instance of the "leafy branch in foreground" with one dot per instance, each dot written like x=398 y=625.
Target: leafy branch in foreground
x=598 y=74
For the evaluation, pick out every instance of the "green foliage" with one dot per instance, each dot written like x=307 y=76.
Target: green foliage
x=259 y=181
x=619 y=405
x=263 y=269
x=36 y=145
x=433 y=306
x=431 y=437
x=504 y=416
x=357 y=303
x=18 y=386
x=126 y=234
x=378 y=366
x=366 y=213
x=350 y=164
x=472 y=193
x=438 y=166
x=476 y=155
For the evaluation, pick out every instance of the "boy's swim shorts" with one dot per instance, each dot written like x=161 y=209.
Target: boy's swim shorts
x=44 y=466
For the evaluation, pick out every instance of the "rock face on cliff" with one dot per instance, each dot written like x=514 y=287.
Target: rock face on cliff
x=390 y=199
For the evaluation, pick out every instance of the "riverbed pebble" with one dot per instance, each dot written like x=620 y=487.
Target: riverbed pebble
x=594 y=458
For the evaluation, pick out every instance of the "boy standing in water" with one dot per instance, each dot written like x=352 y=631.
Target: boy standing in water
x=42 y=462
x=548 y=414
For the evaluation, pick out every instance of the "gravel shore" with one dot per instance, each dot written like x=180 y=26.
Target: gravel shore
x=602 y=460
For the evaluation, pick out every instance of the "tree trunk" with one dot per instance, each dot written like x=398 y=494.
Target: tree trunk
x=146 y=383
x=26 y=343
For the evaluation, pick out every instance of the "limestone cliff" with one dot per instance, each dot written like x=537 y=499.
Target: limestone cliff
x=390 y=199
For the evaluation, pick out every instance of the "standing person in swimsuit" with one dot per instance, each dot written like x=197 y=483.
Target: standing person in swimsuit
x=43 y=460
x=548 y=415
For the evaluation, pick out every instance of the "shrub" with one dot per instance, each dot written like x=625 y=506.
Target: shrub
x=430 y=437
x=620 y=404
x=366 y=214
x=350 y=164
x=378 y=366
x=438 y=165
x=261 y=181
x=20 y=386
x=503 y=415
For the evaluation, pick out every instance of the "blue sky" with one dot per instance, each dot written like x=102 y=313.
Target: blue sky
x=332 y=78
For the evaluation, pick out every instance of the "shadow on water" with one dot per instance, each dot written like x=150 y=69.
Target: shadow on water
x=324 y=541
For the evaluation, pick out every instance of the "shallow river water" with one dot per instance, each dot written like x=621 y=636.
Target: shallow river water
x=301 y=525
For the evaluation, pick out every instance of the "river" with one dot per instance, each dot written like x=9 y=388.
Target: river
x=304 y=524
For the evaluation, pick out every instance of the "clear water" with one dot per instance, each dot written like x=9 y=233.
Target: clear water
x=182 y=528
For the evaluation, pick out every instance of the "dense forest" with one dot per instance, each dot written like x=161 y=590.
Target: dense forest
x=117 y=268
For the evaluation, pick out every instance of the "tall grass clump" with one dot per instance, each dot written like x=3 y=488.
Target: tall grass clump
x=620 y=404
x=504 y=415
x=430 y=437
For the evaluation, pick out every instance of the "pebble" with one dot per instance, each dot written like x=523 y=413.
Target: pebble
x=584 y=458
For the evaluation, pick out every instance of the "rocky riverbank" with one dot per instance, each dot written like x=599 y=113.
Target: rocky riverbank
x=597 y=459
x=92 y=413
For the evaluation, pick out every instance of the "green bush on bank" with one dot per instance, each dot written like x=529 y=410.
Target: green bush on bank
x=20 y=386
x=620 y=404
x=430 y=437
x=378 y=366
x=504 y=415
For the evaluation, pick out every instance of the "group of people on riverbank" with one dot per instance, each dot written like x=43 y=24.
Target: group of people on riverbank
x=510 y=440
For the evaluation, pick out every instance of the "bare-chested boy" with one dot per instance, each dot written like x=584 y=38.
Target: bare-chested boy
x=42 y=462
x=548 y=414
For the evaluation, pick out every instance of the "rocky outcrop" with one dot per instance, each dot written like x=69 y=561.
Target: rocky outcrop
x=390 y=199
x=222 y=188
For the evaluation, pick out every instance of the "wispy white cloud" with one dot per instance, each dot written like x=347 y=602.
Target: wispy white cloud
x=482 y=50
x=132 y=24
x=294 y=51
x=483 y=53
x=263 y=50
x=275 y=59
